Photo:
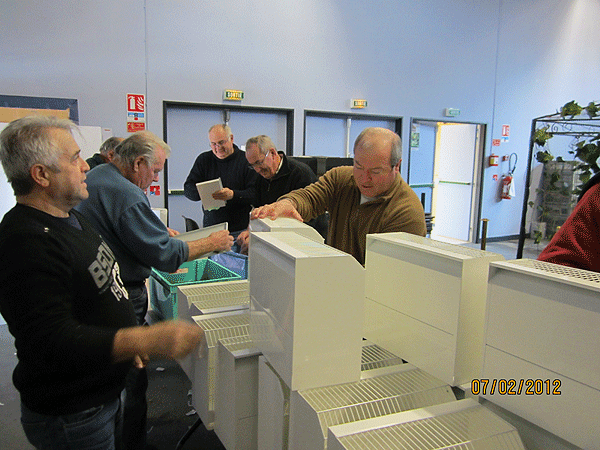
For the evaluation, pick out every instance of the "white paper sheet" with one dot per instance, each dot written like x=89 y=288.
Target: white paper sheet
x=206 y=189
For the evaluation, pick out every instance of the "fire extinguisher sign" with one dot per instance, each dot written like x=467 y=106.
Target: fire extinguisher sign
x=136 y=112
x=505 y=133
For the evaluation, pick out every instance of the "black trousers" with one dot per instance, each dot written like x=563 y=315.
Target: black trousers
x=135 y=407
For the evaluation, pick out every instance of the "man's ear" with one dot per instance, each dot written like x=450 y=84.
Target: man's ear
x=136 y=163
x=39 y=174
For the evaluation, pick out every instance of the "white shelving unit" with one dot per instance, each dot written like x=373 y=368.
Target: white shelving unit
x=382 y=391
x=306 y=309
x=542 y=328
x=461 y=424
x=425 y=302
x=216 y=326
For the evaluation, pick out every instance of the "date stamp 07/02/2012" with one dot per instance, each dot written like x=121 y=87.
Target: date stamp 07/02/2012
x=510 y=386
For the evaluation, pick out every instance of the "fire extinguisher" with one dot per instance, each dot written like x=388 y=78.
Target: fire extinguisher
x=508 y=187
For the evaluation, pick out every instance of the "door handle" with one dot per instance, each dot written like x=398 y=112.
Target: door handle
x=462 y=183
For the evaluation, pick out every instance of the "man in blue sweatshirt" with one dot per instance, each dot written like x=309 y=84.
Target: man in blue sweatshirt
x=120 y=210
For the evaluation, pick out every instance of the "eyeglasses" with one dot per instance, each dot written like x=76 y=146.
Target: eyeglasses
x=371 y=172
x=219 y=144
x=258 y=164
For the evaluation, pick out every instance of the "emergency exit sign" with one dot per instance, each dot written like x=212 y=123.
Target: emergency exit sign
x=358 y=103
x=230 y=94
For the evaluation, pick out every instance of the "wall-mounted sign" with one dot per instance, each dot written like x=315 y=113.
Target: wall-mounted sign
x=505 y=132
x=451 y=112
x=496 y=142
x=414 y=135
x=136 y=112
x=356 y=103
x=230 y=94
x=414 y=139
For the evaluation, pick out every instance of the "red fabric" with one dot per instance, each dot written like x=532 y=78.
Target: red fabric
x=577 y=242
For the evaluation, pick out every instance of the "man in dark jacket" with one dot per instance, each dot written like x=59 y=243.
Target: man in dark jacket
x=106 y=154
x=278 y=175
x=226 y=161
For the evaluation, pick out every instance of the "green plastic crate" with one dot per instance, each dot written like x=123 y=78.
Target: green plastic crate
x=163 y=285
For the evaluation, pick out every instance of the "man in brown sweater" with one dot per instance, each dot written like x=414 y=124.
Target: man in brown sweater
x=370 y=197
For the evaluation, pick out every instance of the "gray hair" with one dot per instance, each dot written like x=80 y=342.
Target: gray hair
x=263 y=142
x=110 y=144
x=372 y=136
x=142 y=143
x=223 y=127
x=26 y=142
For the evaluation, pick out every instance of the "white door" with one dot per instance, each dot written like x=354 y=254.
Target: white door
x=454 y=181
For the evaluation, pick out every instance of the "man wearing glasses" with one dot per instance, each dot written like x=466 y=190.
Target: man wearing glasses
x=370 y=197
x=278 y=176
x=226 y=161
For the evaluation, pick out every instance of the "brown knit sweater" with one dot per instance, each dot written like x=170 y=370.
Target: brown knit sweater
x=398 y=209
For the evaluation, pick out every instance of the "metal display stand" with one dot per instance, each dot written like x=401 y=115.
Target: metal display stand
x=577 y=127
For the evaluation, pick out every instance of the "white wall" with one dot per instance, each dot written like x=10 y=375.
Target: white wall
x=545 y=59
x=498 y=61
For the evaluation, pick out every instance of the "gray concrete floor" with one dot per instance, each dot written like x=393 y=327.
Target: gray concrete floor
x=508 y=249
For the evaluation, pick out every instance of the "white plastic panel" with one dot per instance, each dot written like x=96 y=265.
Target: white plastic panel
x=551 y=319
x=416 y=341
x=216 y=327
x=379 y=392
x=201 y=233
x=286 y=224
x=220 y=296
x=463 y=424
x=572 y=415
x=438 y=292
x=273 y=408
x=306 y=309
x=236 y=400
x=542 y=328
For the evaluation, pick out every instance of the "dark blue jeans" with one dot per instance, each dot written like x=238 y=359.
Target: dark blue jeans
x=138 y=295
x=93 y=429
x=235 y=247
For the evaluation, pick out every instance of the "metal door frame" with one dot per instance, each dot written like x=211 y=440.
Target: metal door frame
x=477 y=192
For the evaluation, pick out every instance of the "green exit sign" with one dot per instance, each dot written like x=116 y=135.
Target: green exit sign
x=358 y=104
x=452 y=112
x=230 y=94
